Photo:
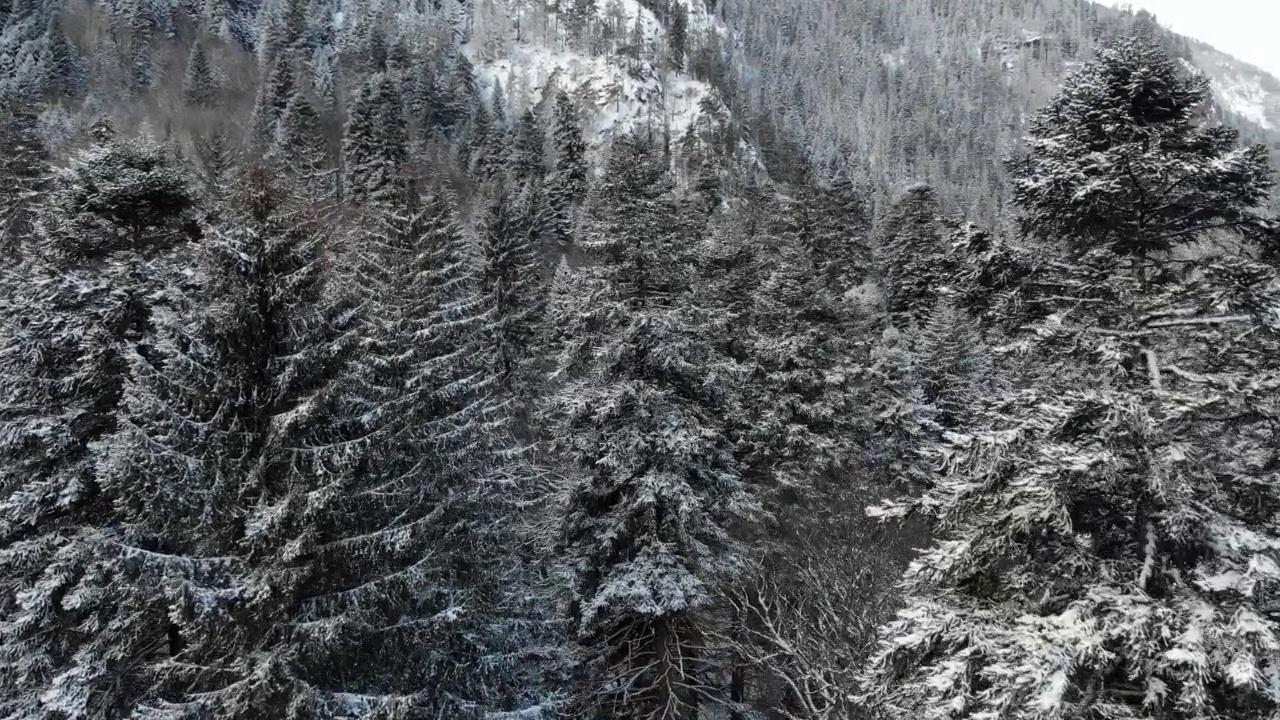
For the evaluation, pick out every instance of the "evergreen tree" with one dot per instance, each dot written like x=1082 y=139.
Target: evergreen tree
x=225 y=474
x=216 y=158
x=800 y=411
x=838 y=241
x=273 y=99
x=645 y=529
x=1119 y=160
x=375 y=143
x=302 y=149
x=442 y=446
x=1109 y=527
x=913 y=257
x=526 y=156
x=461 y=99
x=512 y=284
x=678 y=38
x=570 y=150
x=957 y=367
x=199 y=87
x=75 y=314
x=24 y=172
x=120 y=195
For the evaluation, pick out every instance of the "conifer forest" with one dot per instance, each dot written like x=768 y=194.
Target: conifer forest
x=633 y=360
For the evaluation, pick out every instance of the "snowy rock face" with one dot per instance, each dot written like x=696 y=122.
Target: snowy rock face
x=634 y=80
x=1242 y=89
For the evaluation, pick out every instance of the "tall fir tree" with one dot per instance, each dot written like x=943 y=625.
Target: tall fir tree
x=913 y=258
x=224 y=474
x=1110 y=527
x=107 y=229
x=570 y=149
x=526 y=157
x=273 y=99
x=512 y=284
x=442 y=447
x=375 y=142
x=24 y=173
x=645 y=535
x=303 y=150
x=199 y=86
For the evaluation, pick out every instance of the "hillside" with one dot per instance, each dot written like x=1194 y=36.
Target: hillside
x=634 y=360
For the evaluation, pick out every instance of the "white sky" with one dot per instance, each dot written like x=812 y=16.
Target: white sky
x=1248 y=29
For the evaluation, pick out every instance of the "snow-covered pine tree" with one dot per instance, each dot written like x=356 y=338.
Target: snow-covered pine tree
x=1138 y=180
x=513 y=290
x=526 y=158
x=1110 y=539
x=24 y=171
x=216 y=157
x=199 y=86
x=273 y=98
x=225 y=472
x=375 y=143
x=840 y=247
x=78 y=307
x=440 y=461
x=302 y=149
x=461 y=98
x=119 y=195
x=957 y=366
x=570 y=150
x=913 y=258
x=645 y=534
x=798 y=409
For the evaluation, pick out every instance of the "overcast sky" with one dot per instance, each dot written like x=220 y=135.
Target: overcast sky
x=1248 y=29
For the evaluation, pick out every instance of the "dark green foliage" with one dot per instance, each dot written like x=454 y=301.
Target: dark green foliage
x=636 y=417
x=913 y=256
x=512 y=284
x=1100 y=510
x=73 y=315
x=678 y=36
x=570 y=150
x=121 y=195
x=24 y=173
x=1119 y=162
x=199 y=87
x=375 y=143
x=225 y=475
x=302 y=148
x=527 y=156
x=273 y=98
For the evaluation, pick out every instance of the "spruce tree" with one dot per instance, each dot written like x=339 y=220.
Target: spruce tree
x=800 y=410
x=441 y=450
x=375 y=142
x=526 y=155
x=1110 y=526
x=1120 y=161
x=512 y=286
x=273 y=99
x=957 y=367
x=913 y=258
x=79 y=308
x=301 y=148
x=838 y=241
x=645 y=529
x=570 y=150
x=225 y=474
x=24 y=172
x=199 y=87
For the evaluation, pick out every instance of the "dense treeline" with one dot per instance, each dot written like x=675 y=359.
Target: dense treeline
x=333 y=385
